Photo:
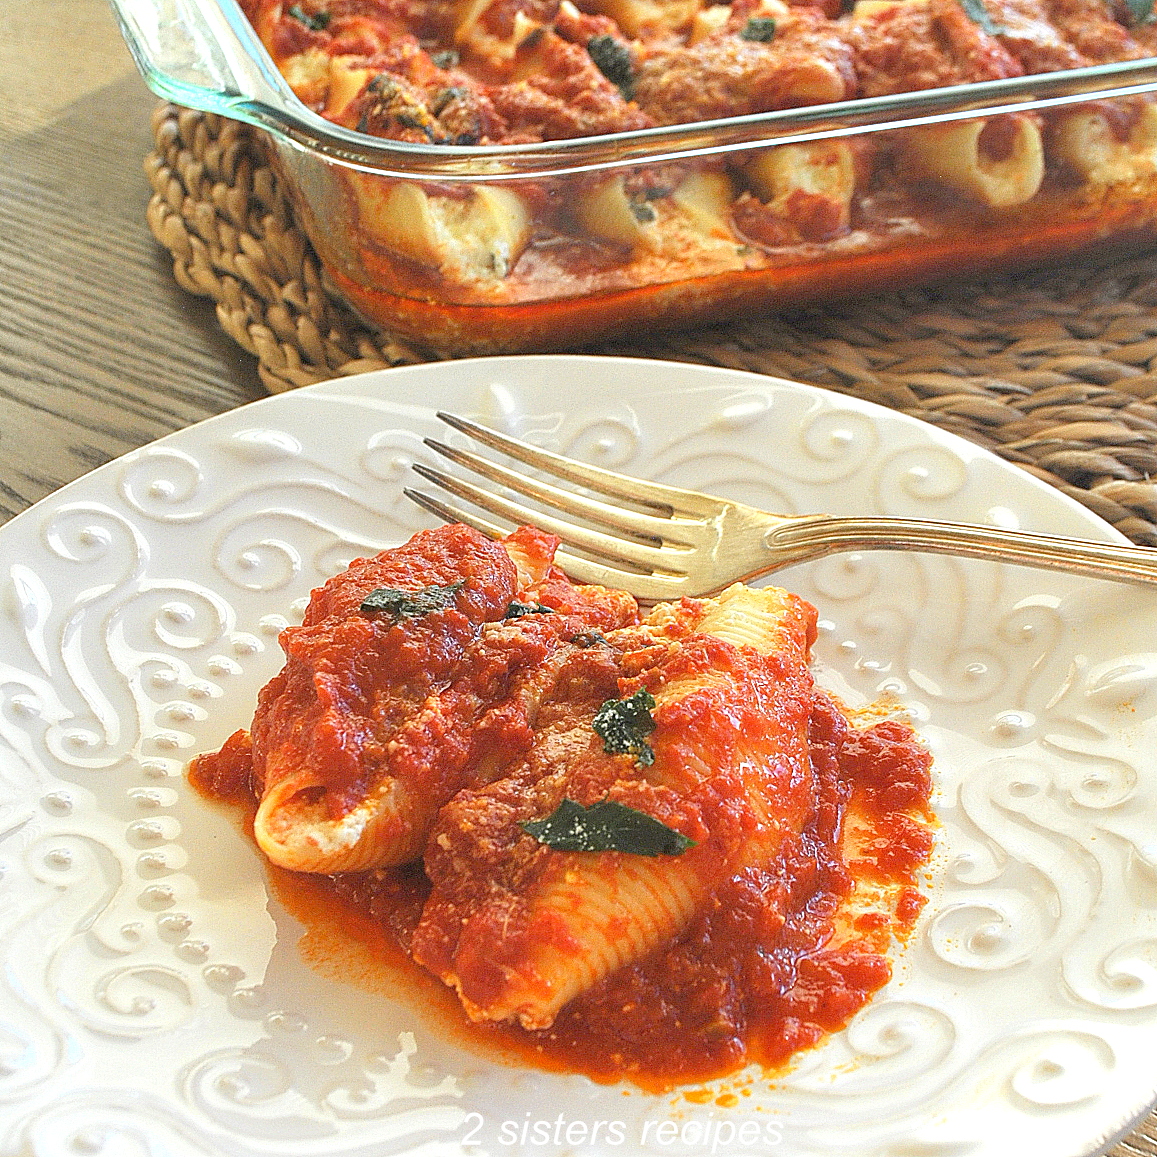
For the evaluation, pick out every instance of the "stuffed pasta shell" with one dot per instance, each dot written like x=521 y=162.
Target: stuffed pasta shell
x=644 y=846
x=390 y=688
x=522 y=933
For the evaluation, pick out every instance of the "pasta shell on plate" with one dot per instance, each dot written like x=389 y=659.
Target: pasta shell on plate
x=655 y=834
x=520 y=928
x=378 y=716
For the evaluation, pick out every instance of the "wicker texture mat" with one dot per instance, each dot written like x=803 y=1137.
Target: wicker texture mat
x=1054 y=370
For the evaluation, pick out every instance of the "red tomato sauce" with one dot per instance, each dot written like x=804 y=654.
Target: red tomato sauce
x=761 y=973
x=783 y=952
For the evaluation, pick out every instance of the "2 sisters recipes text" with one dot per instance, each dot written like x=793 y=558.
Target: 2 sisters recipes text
x=633 y=845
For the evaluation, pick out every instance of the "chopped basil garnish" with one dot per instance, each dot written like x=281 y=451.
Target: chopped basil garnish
x=1140 y=11
x=976 y=11
x=398 y=603
x=590 y=639
x=623 y=725
x=445 y=59
x=396 y=104
x=642 y=212
x=446 y=97
x=314 y=21
x=606 y=826
x=613 y=59
x=517 y=610
x=761 y=28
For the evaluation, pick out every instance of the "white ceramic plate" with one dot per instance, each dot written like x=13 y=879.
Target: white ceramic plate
x=153 y=1000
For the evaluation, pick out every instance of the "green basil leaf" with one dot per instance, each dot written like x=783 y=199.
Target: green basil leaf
x=623 y=724
x=761 y=28
x=606 y=826
x=976 y=11
x=517 y=610
x=446 y=97
x=1140 y=11
x=590 y=639
x=613 y=59
x=398 y=603
x=315 y=21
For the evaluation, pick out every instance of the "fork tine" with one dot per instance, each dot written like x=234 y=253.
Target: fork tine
x=654 y=588
x=648 y=558
x=650 y=588
x=644 y=526
x=665 y=499
x=450 y=513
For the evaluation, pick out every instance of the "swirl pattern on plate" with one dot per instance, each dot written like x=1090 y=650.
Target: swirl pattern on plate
x=155 y=995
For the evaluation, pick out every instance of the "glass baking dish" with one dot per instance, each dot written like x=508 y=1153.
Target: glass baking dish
x=483 y=249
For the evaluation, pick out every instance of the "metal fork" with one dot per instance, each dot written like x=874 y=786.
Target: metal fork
x=662 y=542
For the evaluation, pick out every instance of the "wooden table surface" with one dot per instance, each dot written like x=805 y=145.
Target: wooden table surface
x=100 y=352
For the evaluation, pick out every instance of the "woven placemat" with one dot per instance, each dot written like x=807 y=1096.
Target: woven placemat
x=1054 y=370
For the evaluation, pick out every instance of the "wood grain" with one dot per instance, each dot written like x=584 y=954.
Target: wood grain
x=99 y=351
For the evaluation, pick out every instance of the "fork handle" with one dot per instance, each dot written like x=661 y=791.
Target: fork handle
x=824 y=535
